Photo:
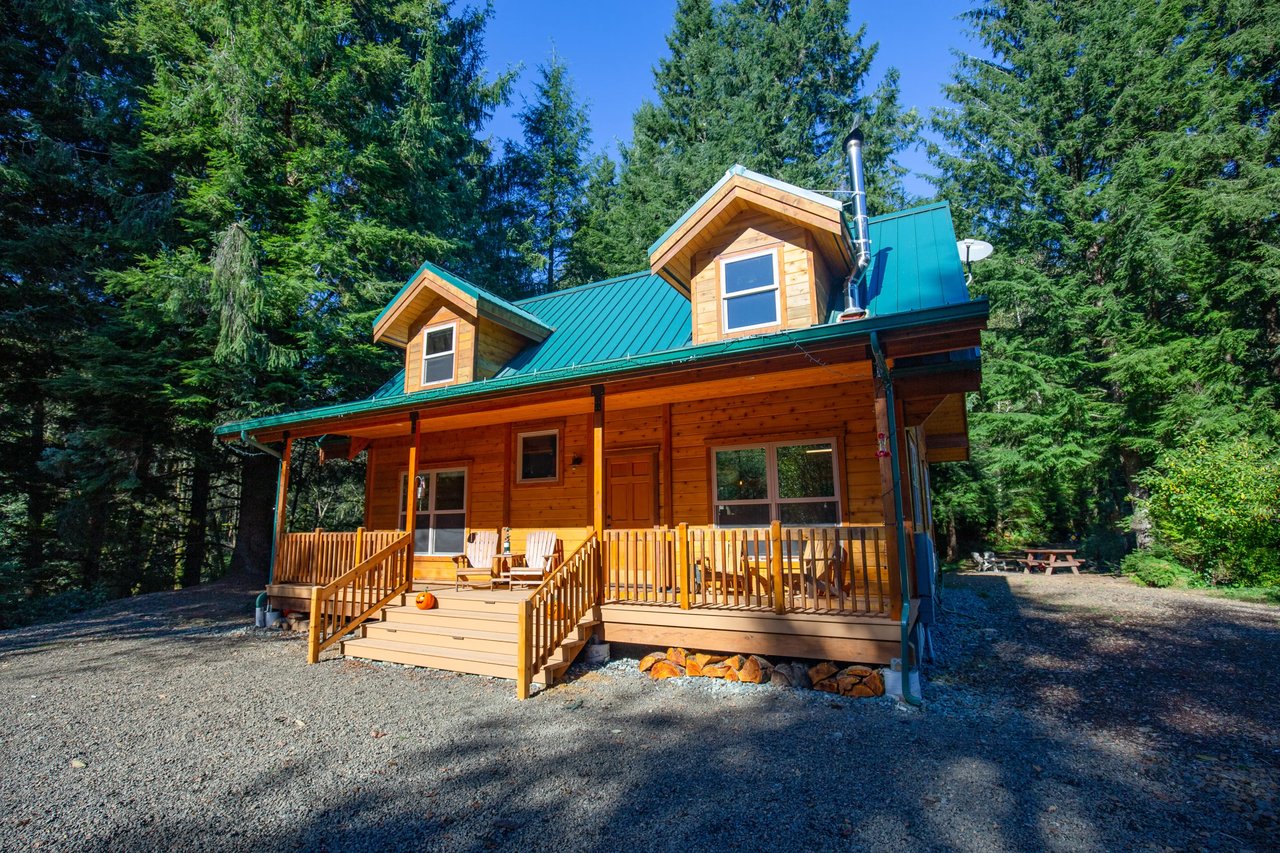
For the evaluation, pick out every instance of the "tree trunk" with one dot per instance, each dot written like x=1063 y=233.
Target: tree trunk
x=1140 y=523
x=196 y=540
x=252 y=555
x=37 y=494
x=953 y=546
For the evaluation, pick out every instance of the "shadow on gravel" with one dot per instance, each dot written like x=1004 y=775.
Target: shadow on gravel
x=1029 y=744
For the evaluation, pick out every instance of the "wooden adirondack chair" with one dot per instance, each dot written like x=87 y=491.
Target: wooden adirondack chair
x=542 y=553
x=477 y=559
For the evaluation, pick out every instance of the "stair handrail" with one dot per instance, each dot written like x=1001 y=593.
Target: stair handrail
x=554 y=609
x=370 y=586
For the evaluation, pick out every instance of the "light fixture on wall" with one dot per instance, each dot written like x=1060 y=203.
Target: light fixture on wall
x=575 y=462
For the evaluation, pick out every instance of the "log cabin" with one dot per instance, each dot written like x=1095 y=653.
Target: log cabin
x=731 y=448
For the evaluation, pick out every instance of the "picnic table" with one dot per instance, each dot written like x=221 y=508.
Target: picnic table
x=1048 y=559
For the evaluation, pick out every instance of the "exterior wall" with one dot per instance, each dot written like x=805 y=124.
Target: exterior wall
x=495 y=347
x=464 y=349
x=748 y=232
x=843 y=411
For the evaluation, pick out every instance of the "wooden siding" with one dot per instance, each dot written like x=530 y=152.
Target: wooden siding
x=843 y=411
x=495 y=347
x=464 y=348
x=752 y=231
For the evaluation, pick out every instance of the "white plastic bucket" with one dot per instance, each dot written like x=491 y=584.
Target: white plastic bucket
x=273 y=618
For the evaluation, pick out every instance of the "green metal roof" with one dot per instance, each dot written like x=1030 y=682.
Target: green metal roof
x=490 y=304
x=739 y=347
x=639 y=321
x=914 y=262
x=738 y=169
x=630 y=315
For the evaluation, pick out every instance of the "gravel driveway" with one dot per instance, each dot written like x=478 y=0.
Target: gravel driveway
x=1066 y=714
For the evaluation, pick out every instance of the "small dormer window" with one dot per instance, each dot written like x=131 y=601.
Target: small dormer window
x=438 y=353
x=749 y=291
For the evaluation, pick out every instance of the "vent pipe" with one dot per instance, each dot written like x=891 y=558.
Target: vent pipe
x=862 y=240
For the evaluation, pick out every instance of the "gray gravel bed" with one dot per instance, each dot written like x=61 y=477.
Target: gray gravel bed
x=165 y=723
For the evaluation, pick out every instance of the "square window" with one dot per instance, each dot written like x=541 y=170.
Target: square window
x=539 y=456
x=793 y=482
x=750 y=291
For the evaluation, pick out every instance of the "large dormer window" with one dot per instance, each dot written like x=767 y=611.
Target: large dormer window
x=438 y=353
x=749 y=291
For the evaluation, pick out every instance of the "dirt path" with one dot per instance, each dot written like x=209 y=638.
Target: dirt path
x=1065 y=714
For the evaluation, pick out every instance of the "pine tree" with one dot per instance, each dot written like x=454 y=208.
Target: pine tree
x=1121 y=158
x=552 y=169
x=770 y=84
x=318 y=151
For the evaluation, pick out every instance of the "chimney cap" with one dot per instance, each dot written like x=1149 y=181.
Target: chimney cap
x=854 y=135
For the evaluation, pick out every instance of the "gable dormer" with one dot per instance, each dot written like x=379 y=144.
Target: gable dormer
x=755 y=255
x=453 y=331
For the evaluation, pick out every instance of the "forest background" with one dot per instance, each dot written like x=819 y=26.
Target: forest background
x=203 y=205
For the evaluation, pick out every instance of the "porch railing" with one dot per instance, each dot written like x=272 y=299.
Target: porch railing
x=554 y=610
x=832 y=569
x=338 y=607
x=321 y=556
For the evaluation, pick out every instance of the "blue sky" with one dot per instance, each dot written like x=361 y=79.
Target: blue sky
x=611 y=48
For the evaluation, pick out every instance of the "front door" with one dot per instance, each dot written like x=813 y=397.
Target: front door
x=631 y=490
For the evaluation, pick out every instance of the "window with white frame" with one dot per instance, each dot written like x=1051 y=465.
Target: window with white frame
x=793 y=482
x=749 y=291
x=438 y=353
x=538 y=456
x=440 y=502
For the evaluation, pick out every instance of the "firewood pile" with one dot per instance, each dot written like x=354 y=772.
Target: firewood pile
x=857 y=680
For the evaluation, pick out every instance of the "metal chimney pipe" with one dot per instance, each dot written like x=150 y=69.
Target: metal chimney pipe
x=857 y=178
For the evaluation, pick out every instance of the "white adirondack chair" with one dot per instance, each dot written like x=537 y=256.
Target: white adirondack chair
x=542 y=553
x=477 y=559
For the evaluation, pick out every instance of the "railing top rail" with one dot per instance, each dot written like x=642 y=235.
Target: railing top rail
x=364 y=566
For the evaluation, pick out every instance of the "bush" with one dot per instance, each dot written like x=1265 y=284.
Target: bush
x=1217 y=508
x=1158 y=568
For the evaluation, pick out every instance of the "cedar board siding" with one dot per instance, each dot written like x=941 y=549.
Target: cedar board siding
x=496 y=346
x=843 y=411
x=464 y=349
x=748 y=232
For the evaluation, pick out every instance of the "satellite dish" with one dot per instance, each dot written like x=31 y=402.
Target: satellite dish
x=972 y=251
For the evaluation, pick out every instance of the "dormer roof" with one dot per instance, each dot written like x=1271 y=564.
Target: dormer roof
x=432 y=284
x=742 y=189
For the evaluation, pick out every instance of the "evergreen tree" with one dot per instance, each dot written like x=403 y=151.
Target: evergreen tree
x=771 y=84
x=318 y=151
x=552 y=169
x=1122 y=159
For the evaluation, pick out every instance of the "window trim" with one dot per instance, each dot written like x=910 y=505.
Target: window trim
x=452 y=352
x=519 y=447
x=402 y=516
x=726 y=297
x=774 y=500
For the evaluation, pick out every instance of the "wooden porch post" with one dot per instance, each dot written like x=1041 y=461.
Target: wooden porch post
x=597 y=461
x=282 y=491
x=411 y=493
x=682 y=564
x=775 y=565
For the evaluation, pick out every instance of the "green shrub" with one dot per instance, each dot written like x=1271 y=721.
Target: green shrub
x=1217 y=508
x=1158 y=568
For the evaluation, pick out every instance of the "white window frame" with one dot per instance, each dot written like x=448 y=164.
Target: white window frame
x=452 y=352
x=725 y=296
x=773 y=499
x=520 y=437
x=431 y=512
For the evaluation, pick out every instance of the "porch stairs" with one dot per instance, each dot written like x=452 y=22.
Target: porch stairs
x=471 y=631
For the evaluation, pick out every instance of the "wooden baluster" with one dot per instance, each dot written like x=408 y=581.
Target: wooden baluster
x=683 y=576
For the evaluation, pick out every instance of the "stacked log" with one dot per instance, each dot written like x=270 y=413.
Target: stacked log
x=856 y=681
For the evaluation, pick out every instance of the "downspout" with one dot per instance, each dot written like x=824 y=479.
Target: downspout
x=882 y=370
x=253 y=442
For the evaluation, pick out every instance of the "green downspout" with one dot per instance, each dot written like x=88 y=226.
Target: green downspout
x=275 y=510
x=882 y=369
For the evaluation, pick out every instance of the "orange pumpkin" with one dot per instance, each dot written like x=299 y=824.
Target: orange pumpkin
x=425 y=600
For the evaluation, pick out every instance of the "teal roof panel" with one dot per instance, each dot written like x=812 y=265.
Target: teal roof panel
x=914 y=262
x=626 y=316
x=501 y=309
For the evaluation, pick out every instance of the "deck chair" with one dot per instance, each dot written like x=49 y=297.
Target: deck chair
x=477 y=559
x=542 y=553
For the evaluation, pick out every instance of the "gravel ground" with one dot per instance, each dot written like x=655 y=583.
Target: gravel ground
x=1065 y=714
